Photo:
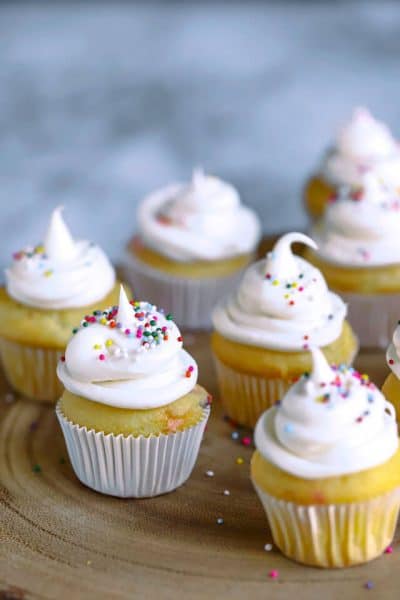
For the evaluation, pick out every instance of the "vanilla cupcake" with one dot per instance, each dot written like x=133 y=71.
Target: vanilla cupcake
x=48 y=286
x=364 y=144
x=193 y=243
x=359 y=254
x=264 y=329
x=327 y=468
x=132 y=413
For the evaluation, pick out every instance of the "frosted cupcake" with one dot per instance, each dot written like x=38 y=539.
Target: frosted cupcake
x=193 y=244
x=48 y=286
x=359 y=255
x=364 y=144
x=132 y=413
x=264 y=329
x=327 y=468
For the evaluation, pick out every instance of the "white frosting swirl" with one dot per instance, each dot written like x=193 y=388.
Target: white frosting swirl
x=60 y=273
x=203 y=220
x=362 y=145
x=129 y=356
x=393 y=352
x=330 y=423
x=282 y=303
x=361 y=228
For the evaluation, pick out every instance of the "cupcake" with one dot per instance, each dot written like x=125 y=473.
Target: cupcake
x=132 y=413
x=327 y=468
x=264 y=329
x=193 y=244
x=48 y=287
x=364 y=144
x=391 y=386
x=359 y=255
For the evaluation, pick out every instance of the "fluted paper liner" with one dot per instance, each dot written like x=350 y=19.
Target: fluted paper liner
x=128 y=466
x=245 y=397
x=190 y=300
x=373 y=317
x=335 y=535
x=31 y=371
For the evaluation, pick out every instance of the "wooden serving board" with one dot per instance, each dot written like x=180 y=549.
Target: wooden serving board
x=61 y=540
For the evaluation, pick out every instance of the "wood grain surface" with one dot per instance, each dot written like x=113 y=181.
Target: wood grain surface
x=61 y=540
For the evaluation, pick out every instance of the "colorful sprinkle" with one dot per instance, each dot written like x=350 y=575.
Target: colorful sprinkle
x=274 y=574
x=239 y=460
x=268 y=547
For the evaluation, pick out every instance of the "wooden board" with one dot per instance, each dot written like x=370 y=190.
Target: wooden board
x=61 y=540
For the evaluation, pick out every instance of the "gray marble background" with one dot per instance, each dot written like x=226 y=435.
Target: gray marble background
x=101 y=102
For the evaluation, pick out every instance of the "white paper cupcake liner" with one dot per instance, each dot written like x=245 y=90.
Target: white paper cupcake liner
x=373 y=317
x=338 y=535
x=245 y=397
x=191 y=301
x=31 y=371
x=132 y=467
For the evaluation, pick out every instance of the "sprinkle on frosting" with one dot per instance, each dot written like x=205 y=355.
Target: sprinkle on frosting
x=60 y=272
x=128 y=355
x=283 y=302
x=331 y=422
x=362 y=229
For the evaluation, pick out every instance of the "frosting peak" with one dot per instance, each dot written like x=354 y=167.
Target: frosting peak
x=58 y=242
x=321 y=371
x=128 y=356
x=201 y=220
x=365 y=137
x=60 y=273
x=281 y=261
x=362 y=144
x=331 y=422
x=283 y=302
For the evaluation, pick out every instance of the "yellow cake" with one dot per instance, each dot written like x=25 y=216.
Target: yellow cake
x=317 y=194
x=196 y=269
x=345 y=489
x=181 y=414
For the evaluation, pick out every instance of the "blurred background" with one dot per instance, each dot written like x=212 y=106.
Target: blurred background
x=101 y=102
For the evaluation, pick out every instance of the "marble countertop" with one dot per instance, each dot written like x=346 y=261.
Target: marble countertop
x=102 y=102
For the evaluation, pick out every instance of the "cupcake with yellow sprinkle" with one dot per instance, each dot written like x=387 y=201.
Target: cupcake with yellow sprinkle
x=48 y=286
x=132 y=414
x=327 y=468
x=359 y=255
x=194 y=241
x=364 y=144
x=264 y=329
